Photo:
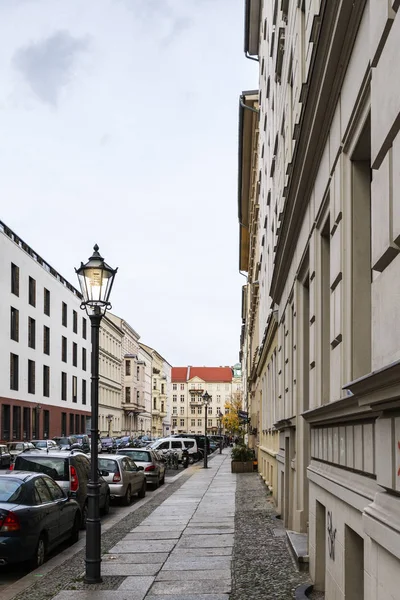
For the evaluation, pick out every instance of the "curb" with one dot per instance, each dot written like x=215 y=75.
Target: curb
x=302 y=591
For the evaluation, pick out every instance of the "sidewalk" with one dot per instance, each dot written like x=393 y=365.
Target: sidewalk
x=210 y=535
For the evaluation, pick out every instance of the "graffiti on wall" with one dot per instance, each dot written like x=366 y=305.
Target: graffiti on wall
x=331 y=536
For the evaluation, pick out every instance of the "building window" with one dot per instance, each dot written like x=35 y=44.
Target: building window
x=71 y=424
x=14 y=372
x=174 y=422
x=217 y=386
x=182 y=410
x=155 y=403
x=31 y=376
x=182 y=398
x=218 y=399
x=84 y=332
x=31 y=332
x=84 y=359
x=46 y=340
x=227 y=387
x=174 y=398
x=14 y=279
x=74 y=321
x=46 y=302
x=63 y=423
x=128 y=395
x=64 y=314
x=83 y=391
x=127 y=368
x=199 y=422
x=74 y=354
x=154 y=384
x=74 y=389
x=32 y=292
x=162 y=406
x=174 y=410
x=162 y=388
x=64 y=349
x=193 y=422
x=193 y=410
x=63 y=386
x=199 y=410
x=193 y=386
x=182 y=386
x=210 y=410
x=174 y=386
x=210 y=422
x=46 y=423
x=137 y=397
x=138 y=373
x=182 y=422
x=46 y=381
x=14 y=324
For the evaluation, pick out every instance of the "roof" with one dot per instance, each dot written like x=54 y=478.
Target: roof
x=209 y=374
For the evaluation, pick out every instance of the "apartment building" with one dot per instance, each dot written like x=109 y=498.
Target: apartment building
x=146 y=360
x=189 y=384
x=319 y=226
x=161 y=384
x=110 y=382
x=45 y=347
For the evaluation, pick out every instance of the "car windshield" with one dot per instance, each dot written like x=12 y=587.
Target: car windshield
x=106 y=464
x=62 y=440
x=54 y=467
x=10 y=489
x=106 y=439
x=17 y=446
x=40 y=444
x=137 y=455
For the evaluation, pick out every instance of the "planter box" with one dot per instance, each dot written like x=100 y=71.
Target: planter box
x=237 y=466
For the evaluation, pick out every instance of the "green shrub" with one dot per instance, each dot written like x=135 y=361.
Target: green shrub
x=242 y=453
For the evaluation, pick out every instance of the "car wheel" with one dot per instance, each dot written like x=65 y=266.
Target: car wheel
x=156 y=484
x=106 y=507
x=128 y=496
x=40 y=553
x=162 y=481
x=74 y=537
x=84 y=515
x=191 y=459
x=142 y=491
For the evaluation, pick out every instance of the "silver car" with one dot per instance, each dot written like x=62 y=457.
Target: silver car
x=154 y=467
x=15 y=448
x=124 y=477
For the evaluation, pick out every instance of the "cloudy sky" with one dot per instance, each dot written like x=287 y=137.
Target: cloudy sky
x=118 y=123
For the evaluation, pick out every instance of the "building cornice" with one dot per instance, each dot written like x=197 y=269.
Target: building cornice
x=379 y=389
x=268 y=338
x=344 y=410
x=335 y=30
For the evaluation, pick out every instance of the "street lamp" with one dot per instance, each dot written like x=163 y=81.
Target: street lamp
x=206 y=401
x=109 y=419
x=220 y=430
x=96 y=279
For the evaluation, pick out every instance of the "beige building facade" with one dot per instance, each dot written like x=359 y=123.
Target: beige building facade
x=322 y=261
x=160 y=391
x=110 y=387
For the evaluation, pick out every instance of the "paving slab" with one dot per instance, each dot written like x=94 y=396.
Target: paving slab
x=143 y=546
x=136 y=584
x=189 y=597
x=130 y=569
x=176 y=563
x=186 y=575
x=207 y=531
x=153 y=535
x=201 y=552
x=206 y=541
x=133 y=557
x=100 y=595
x=185 y=587
x=158 y=528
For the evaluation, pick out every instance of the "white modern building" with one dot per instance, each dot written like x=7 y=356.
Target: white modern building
x=45 y=347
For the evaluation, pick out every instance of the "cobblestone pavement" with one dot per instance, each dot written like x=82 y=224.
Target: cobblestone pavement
x=263 y=567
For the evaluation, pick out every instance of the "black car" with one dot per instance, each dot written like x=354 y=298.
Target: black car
x=68 y=442
x=84 y=442
x=71 y=470
x=5 y=457
x=35 y=516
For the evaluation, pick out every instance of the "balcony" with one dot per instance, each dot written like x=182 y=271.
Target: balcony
x=133 y=407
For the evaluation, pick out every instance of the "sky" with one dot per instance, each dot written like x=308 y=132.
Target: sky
x=119 y=126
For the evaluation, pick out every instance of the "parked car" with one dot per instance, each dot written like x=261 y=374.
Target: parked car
x=5 y=457
x=71 y=470
x=84 y=442
x=124 y=477
x=199 y=440
x=45 y=444
x=176 y=444
x=154 y=467
x=16 y=448
x=108 y=444
x=124 y=442
x=68 y=442
x=35 y=516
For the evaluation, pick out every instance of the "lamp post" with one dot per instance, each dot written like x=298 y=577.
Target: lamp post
x=96 y=279
x=206 y=400
x=37 y=420
x=109 y=419
x=220 y=430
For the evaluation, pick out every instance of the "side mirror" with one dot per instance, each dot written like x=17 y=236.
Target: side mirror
x=140 y=468
x=75 y=447
x=104 y=473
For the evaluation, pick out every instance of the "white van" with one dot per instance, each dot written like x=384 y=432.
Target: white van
x=177 y=445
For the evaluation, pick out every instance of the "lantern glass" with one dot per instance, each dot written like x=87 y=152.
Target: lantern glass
x=96 y=279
